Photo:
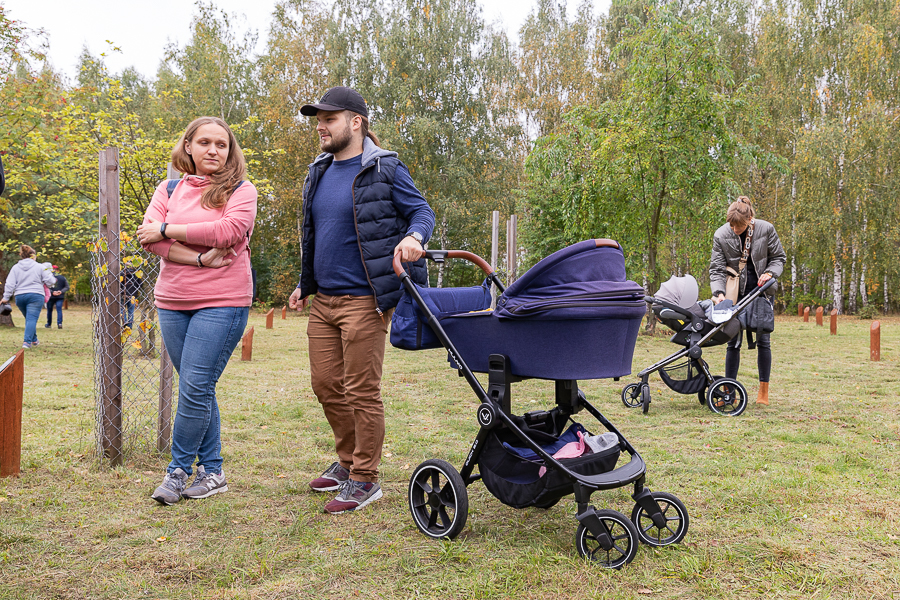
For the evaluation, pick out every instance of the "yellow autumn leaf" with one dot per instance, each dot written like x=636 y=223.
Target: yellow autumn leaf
x=139 y=274
x=145 y=325
x=136 y=344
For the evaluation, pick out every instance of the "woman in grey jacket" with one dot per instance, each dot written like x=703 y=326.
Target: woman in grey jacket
x=26 y=280
x=765 y=261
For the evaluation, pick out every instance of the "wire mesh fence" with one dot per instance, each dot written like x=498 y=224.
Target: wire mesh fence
x=133 y=375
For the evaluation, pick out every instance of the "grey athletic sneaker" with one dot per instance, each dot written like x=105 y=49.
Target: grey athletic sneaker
x=169 y=491
x=205 y=485
x=331 y=479
x=353 y=496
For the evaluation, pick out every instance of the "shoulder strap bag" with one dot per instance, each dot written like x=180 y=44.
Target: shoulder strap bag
x=733 y=279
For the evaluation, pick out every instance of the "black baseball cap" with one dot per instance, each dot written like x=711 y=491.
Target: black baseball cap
x=338 y=98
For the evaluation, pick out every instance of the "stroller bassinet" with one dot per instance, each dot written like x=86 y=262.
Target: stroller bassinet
x=572 y=316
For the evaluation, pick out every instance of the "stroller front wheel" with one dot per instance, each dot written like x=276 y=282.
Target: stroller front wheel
x=727 y=397
x=438 y=499
x=676 y=521
x=623 y=536
x=631 y=395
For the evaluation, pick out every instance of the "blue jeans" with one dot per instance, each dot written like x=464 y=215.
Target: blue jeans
x=200 y=342
x=31 y=306
x=128 y=311
x=58 y=301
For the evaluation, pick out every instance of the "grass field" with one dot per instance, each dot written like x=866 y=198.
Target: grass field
x=795 y=500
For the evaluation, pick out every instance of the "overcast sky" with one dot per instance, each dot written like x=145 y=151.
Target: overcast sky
x=142 y=28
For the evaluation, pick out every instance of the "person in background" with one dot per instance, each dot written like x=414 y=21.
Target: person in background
x=360 y=209
x=26 y=280
x=131 y=283
x=203 y=292
x=57 y=297
x=765 y=261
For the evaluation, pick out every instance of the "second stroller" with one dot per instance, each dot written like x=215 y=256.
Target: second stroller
x=686 y=372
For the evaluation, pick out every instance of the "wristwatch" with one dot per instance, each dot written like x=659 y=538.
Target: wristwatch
x=162 y=231
x=416 y=236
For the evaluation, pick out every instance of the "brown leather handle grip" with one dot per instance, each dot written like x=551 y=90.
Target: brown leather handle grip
x=606 y=243
x=474 y=258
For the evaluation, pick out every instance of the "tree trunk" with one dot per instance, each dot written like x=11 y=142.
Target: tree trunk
x=886 y=297
x=443 y=237
x=863 y=293
x=793 y=237
x=838 y=279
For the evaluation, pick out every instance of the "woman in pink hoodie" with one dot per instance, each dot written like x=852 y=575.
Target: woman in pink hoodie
x=203 y=293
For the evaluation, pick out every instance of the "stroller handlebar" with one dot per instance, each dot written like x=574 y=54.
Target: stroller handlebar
x=440 y=256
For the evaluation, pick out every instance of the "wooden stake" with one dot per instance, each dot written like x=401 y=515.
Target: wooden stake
x=110 y=323
x=833 y=321
x=806 y=315
x=284 y=312
x=247 y=345
x=65 y=304
x=270 y=317
x=12 y=385
x=800 y=310
x=819 y=312
x=875 y=342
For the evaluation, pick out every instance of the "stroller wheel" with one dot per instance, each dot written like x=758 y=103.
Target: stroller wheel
x=727 y=397
x=645 y=397
x=701 y=395
x=631 y=395
x=676 y=524
x=624 y=540
x=438 y=499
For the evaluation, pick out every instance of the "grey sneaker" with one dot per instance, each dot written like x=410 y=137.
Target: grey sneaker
x=26 y=345
x=331 y=479
x=205 y=485
x=169 y=491
x=353 y=496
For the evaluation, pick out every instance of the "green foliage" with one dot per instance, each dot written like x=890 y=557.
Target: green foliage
x=869 y=311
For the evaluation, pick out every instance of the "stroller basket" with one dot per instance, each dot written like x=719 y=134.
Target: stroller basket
x=519 y=482
x=684 y=378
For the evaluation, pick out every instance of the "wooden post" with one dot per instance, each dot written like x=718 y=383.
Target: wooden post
x=164 y=414
x=284 y=312
x=270 y=316
x=12 y=385
x=495 y=250
x=833 y=321
x=800 y=309
x=166 y=376
x=875 y=342
x=806 y=315
x=65 y=304
x=819 y=312
x=247 y=345
x=110 y=323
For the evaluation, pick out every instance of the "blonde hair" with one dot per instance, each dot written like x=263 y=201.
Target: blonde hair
x=225 y=179
x=740 y=212
x=26 y=251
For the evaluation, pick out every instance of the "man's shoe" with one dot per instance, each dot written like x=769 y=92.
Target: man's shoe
x=47 y=326
x=59 y=326
x=169 y=491
x=353 y=496
x=332 y=479
x=205 y=485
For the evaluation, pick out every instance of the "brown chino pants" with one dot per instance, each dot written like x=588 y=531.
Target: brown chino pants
x=346 y=357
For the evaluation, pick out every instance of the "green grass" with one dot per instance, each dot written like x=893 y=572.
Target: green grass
x=797 y=500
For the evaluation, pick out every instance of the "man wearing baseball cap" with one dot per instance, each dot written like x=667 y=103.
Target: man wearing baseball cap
x=360 y=208
x=57 y=297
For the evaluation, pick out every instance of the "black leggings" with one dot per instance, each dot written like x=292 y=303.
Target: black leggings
x=763 y=356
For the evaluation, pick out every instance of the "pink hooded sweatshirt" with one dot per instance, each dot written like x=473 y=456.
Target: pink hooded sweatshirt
x=189 y=287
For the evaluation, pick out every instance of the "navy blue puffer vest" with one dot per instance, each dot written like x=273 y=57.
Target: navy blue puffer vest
x=379 y=228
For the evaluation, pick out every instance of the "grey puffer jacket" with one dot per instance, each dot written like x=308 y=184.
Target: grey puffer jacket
x=765 y=251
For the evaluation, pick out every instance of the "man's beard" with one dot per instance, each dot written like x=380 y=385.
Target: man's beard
x=338 y=142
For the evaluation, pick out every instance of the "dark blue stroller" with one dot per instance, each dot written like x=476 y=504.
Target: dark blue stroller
x=572 y=316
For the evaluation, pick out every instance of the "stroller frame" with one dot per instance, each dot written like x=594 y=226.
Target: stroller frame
x=722 y=395
x=437 y=492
